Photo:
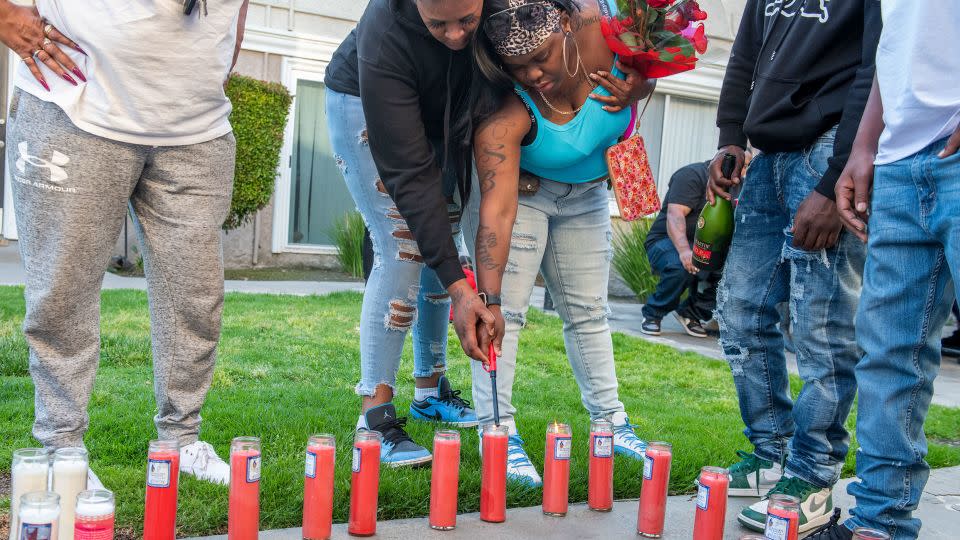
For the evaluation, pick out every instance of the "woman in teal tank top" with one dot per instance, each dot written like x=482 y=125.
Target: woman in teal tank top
x=544 y=128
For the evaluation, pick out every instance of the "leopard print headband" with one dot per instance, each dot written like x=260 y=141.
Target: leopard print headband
x=530 y=24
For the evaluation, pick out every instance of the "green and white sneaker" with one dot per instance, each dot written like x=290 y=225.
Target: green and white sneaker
x=753 y=476
x=815 y=505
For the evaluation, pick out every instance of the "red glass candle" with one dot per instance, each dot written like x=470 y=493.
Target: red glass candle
x=365 y=483
x=493 y=479
x=444 y=480
x=653 y=492
x=243 y=518
x=556 y=469
x=318 y=487
x=163 y=474
x=783 y=517
x=93 y=519
x=711 y=504
x=600 y=490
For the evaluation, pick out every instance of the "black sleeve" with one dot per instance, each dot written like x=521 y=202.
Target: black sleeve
x=735 y=92
x=686 y=188
x=407 y=165
x=856 y=100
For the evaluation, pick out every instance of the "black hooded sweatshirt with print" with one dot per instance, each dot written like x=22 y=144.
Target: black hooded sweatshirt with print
x=415 y=93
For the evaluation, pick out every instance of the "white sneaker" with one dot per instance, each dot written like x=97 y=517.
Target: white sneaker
x=201 y=460
x=519 y=467
x=93 y=482
x=625 y=441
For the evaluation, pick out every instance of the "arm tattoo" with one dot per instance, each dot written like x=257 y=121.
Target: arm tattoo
x=486 y=239
x=492 y=157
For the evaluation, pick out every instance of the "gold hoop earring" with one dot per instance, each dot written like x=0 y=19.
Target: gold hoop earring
x=576 y=70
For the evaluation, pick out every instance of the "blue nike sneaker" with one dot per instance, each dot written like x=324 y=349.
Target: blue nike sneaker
x=625 y=441
x=448 y=407
x=397 y=448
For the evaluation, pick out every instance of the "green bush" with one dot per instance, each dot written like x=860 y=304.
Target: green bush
x=348 y=233
x=259 y=115
x=630 y=258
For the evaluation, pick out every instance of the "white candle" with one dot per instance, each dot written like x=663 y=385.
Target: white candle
x=28 y=473
x=69 y=479
x=39 y=513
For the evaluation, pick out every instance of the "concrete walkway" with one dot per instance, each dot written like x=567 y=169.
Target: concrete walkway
x=625 y=316
x=939 y=510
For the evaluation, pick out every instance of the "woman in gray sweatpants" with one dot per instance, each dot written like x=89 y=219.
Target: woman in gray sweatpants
x=89 y=137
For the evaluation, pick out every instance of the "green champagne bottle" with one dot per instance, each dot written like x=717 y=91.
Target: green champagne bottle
x=715 y=227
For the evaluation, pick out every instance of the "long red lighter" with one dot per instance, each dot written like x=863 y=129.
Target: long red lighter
x=491 y=368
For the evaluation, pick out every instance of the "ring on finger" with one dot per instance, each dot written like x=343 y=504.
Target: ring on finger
x=37 y=52
x=46 y=41
x=47 y=28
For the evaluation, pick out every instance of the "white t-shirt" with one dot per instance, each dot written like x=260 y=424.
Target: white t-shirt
x=917 y=70
x=154 y=75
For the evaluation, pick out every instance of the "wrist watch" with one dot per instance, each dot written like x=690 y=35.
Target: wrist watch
x=489 y=299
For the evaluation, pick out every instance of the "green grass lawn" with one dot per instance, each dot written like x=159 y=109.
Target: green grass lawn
x=287 y=368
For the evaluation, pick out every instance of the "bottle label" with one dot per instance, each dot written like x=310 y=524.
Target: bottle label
x=702 y=252
x=253 y=469
x=647 y=467
x=703 y=497
x=356 y=459
x=36 y=531
x=158 y=473
x=562 y=447
x=603 y=446
x=310 y=470
x=777 y=527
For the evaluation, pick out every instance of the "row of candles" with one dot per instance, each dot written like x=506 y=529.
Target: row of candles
x=50 y=501
x=92 y=516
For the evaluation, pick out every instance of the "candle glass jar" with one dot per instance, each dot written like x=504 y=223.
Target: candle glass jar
x=38 y=516
x=94 y=515
x=29 y=472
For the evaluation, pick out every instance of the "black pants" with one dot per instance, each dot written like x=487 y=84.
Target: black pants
x=674 y=280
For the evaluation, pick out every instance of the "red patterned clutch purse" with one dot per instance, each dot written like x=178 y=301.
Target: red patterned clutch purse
x=632 y=179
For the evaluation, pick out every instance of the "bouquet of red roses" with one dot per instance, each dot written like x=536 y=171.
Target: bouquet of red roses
x=657 y=37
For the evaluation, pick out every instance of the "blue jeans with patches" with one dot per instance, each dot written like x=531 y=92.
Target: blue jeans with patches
x=762 y=270
x=563 y=232
x=908 y=288
x=401 y=293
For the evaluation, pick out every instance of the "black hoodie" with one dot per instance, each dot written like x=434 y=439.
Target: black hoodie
x=414 y=92
x=815 y=72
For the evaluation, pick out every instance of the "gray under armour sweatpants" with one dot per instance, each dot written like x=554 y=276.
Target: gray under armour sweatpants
x=71 y=191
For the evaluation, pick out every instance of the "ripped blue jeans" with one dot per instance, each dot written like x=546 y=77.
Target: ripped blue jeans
x=762 y=270
x=562 y=232
x=401 y=293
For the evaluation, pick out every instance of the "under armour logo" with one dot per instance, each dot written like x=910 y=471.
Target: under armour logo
x=55 y=164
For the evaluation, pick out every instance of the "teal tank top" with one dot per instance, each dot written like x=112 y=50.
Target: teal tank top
x=573 y=153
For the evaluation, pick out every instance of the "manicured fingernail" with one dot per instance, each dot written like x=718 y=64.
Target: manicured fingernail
x=861 y=207
x=79 y=74
x=45 y=85
x=69 y=79
x=602 y=73
x=594 y=76
x=81 y=50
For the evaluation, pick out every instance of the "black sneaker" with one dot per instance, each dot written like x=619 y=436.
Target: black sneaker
x=397 y=449
x=691 y=326
x=950 y=345
x=650 y=327
x=833 y=530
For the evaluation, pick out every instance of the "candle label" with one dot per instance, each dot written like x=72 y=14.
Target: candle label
x=703 y=496
x=311 y=467
x=603 y=446
x=562 y=447
x=253 y=469
x=31 y=531
x=356 y=459
x=101 y=533
x=647 y=467
x=777 y=527
x=158 y=473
